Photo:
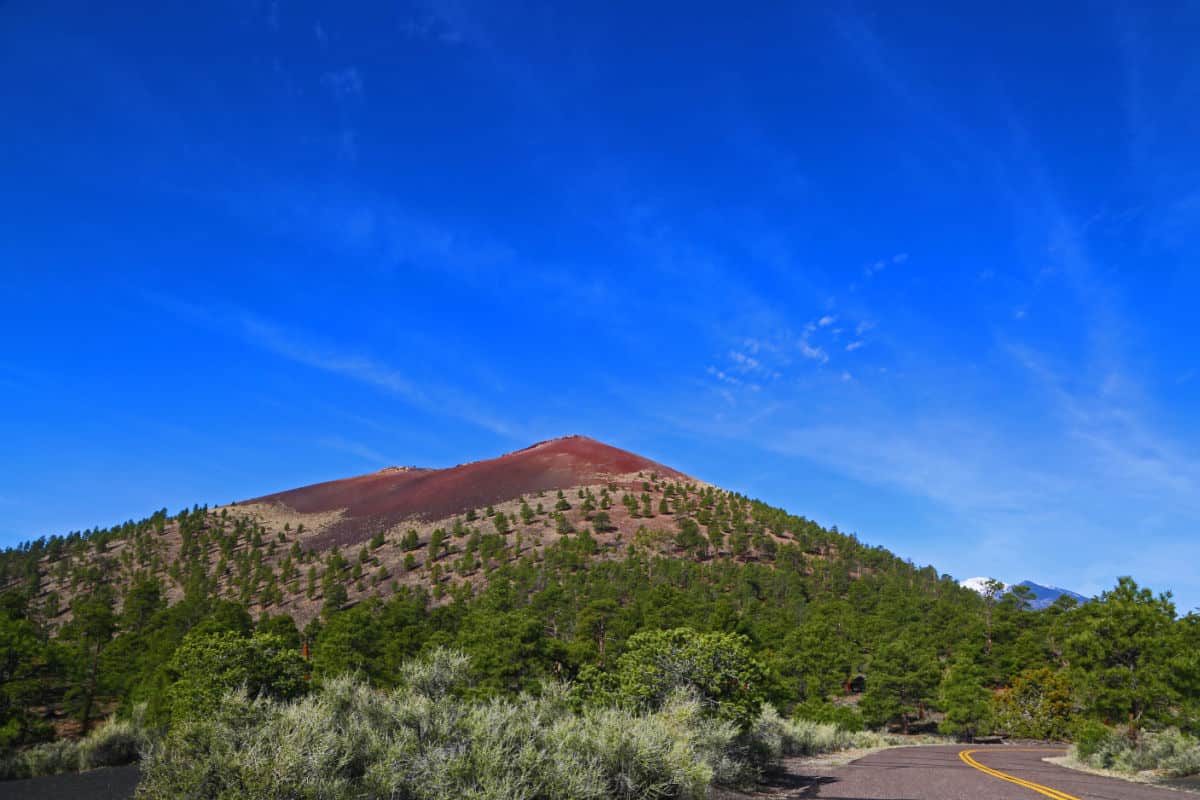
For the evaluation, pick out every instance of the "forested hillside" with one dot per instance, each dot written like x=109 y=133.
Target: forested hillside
x=553 y=585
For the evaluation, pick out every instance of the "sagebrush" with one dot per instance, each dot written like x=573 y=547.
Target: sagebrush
x=426 y=740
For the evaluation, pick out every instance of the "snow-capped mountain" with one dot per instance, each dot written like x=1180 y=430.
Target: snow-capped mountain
x=1043 y=596
x=978 y=584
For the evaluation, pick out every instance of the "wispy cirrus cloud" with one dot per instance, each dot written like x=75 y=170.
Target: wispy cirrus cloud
x=292 y=345
x=343 y=445
x=345 y=83
x=374 y=228
x=438 y=399
x=765 y=358
x=1106 y=418
x=950 y=462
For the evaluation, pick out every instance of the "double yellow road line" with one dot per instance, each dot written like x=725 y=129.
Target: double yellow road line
x=1054 y=794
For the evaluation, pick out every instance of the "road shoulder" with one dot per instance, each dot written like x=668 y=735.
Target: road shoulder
x=1190 y=785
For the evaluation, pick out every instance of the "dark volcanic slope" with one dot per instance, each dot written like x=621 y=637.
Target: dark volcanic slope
x=391 y=495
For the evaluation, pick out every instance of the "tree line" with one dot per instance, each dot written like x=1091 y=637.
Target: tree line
x=839 y=631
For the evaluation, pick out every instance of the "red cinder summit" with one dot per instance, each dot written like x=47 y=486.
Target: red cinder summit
x=397 y=493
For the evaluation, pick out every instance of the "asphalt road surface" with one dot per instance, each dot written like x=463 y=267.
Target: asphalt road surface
x=971 y=773
x=907 y=773
x=113 y=783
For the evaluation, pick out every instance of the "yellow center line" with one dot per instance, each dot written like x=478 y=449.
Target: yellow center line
x=1055 y=794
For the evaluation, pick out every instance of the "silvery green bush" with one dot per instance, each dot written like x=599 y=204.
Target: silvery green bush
x=425 y=741
x=1167 y=751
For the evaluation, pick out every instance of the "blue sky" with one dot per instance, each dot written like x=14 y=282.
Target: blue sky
x=926 y=274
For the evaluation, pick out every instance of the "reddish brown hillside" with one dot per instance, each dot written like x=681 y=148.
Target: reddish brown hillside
x=383 y=498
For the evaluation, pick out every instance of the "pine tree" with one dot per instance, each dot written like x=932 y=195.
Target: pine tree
x=410 y=540
x=901 y=680
x=964 y=699
x=1121 y=655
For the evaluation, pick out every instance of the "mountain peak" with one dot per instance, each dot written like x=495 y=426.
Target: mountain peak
x=381 y=499
x=1043 y=596
x=980 y=584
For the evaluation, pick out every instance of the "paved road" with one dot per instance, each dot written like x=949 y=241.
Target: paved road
x=114 y=783
x=998 y=773
x=907 y=773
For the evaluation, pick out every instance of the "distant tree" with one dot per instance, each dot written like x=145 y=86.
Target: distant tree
x=717 y=667
x=89 y=632
x=334 y=590
x=715 y=538
x=820 y=652
x=901 y=680
x=1185 y=668
x=23 y=670
x=281 y=625
x=209 y=664
x=1121 y=654
x=964 y=698
x=688 y=537
x=143 y=599
x=436 y=544
x=1038 y=705
x=377 y=540
x=993 y=590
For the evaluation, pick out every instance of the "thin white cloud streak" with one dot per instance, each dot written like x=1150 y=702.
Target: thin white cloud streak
x=291 y=346
x=1120 y=445
x=372 y=227
x=353 y=448
x=953 y=464
x=439 y=400
x=272 y=338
